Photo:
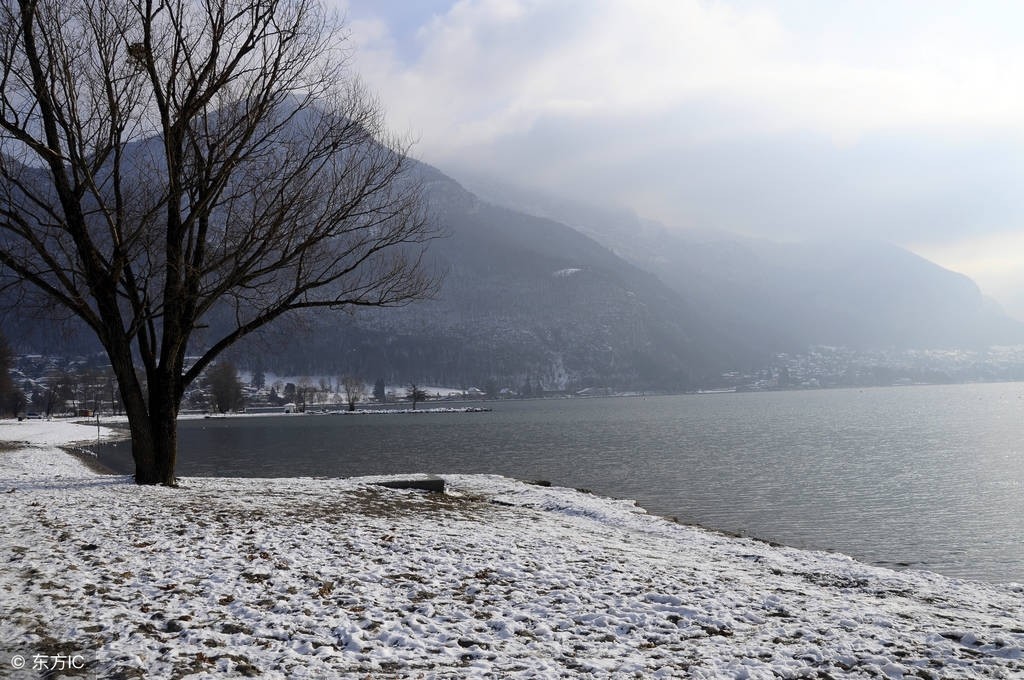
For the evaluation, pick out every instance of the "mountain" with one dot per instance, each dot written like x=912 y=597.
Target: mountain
x=524 y=299
x=564 y=296
x=866 y=295
x=860 y=294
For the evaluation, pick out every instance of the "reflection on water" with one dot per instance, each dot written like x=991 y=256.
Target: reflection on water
x=926 y=477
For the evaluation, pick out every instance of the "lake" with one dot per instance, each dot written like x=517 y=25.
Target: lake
x=928 y=477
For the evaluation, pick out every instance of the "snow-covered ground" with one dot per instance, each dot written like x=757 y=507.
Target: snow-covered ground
x=39 y=433
x=394 y=411
x=315 y=578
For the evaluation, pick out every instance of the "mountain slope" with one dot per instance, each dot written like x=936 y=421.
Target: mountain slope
x=525 y=299
x=788 y=296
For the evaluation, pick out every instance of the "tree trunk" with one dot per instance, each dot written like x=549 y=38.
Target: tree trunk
x=155 y=447
x=154 y=441
x=153 y=425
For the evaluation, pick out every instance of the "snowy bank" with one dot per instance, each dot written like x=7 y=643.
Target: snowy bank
x=36 y=433
x=332 y=412
x=315 y=578
x=393 y=411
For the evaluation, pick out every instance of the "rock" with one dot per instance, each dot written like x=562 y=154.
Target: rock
x=234 y=629
x=433 y=484
x=247 y=670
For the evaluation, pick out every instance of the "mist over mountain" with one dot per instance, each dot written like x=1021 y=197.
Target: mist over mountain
x=524 y=300
x=788 y=296
x=546 y=293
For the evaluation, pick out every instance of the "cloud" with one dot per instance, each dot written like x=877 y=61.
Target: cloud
x=793 y=119
x=494 y=67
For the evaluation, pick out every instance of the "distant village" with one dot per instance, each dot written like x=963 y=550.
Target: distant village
x=85 y=386
x=832 y=367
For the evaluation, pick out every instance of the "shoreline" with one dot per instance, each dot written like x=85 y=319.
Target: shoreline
x=321 y=578
x=91 y=461
x=103 y=467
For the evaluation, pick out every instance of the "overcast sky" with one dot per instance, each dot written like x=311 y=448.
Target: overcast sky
x=899 y=120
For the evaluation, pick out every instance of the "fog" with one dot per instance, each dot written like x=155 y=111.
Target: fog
x=786 y=120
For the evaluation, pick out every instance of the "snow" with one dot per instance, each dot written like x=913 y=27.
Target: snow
x=52 y=432
x=325 y=578
x=395 y=411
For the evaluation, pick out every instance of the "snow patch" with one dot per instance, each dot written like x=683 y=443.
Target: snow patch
x=315 y=578
x=37 y=433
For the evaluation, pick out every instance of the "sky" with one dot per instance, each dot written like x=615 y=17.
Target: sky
x=791 y=120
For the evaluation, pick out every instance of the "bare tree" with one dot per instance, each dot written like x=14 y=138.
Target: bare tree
x=415 y=394
x=305 y=394
x=167 y=162
x=354 y=390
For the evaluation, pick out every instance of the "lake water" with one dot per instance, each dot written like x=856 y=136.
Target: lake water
x=925 y=477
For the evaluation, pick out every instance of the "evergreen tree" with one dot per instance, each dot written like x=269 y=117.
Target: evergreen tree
x=379 y=392
x=259 y=378
x=415 y=394
x=11 y=398
x=224 y=387
x=491 y=388
x=526 y=390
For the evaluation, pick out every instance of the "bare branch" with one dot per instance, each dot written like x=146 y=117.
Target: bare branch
x=163 y=162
